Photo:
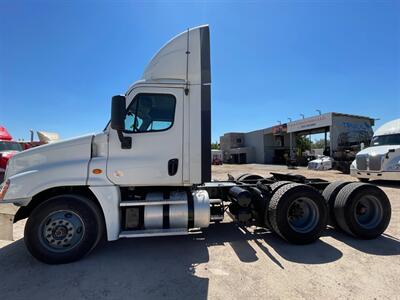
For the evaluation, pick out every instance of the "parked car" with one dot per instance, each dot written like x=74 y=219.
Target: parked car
x=216 y=157
x=321 y=163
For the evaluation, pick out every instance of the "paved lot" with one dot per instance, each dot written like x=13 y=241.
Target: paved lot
x=224 y=262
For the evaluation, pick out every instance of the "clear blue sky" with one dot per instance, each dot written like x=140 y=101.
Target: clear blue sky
x=60 y=62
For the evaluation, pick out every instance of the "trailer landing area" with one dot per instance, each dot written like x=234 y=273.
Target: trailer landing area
x=226 y=261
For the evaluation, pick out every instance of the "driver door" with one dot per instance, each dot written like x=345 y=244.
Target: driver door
x=154 y=121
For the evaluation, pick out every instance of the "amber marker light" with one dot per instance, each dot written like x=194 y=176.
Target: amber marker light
x=97 y=171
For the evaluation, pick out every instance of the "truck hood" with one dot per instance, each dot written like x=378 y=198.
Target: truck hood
x=72 y=150
x=378 y=150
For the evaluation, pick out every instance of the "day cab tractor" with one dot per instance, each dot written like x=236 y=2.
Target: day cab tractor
x=381 y=160
x=149 y=174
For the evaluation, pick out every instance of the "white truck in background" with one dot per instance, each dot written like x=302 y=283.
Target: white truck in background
x=382 y=159
x=149 y=174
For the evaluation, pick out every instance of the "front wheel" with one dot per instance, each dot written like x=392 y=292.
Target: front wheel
x=63 y=229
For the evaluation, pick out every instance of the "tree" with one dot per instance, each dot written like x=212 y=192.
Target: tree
x=319 y=144
x=302 y=144
x=215 y=145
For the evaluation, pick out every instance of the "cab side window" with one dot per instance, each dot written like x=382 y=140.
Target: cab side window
x=150 y=112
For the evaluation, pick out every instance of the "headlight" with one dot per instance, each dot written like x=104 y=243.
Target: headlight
x=4 y=188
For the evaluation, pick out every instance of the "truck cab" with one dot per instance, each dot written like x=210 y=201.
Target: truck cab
x=140 y=171
x=382 y=159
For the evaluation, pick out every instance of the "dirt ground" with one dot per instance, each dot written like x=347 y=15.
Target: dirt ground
x=223 y=262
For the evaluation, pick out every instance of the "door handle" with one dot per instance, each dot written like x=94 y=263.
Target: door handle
x=173 y=166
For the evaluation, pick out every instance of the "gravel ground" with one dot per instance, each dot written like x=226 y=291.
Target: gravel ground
x=224 y=262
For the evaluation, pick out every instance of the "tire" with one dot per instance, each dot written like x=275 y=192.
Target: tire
x=363 y=179
x=239 y=178
x=274 y=187
x=330 y=193
x=249 y=178
x=81 y=228
x=277 y=185
x=362 y=210
x=298 y=226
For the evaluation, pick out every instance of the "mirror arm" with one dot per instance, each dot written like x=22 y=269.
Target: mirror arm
x=126 y=141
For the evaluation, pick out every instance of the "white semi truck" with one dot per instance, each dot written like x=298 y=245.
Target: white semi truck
x=382 y=159
x=149 y=174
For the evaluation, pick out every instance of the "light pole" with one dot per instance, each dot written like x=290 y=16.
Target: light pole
x=319 y=111
x=291 y=143
x=302 y=116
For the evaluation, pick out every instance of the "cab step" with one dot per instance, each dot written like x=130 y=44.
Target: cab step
x=153 y=232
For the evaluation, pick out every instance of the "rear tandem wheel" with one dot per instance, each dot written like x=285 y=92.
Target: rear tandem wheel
x=330 y=193
x=362 y=210
x=298 y=213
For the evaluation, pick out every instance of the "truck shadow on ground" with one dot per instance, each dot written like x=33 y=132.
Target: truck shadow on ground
x=239 y=237
x=165 y=267
x=385 y=245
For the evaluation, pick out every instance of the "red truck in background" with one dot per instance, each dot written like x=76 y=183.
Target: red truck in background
x=8 y=148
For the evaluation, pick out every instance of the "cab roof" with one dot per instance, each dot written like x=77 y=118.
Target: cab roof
x=392 y=127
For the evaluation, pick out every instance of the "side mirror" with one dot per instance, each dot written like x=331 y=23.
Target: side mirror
x=118 y=111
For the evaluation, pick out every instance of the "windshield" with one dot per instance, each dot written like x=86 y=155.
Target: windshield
x=10 y=146
x=389 y=139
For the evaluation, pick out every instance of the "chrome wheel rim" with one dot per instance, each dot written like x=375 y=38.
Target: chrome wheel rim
x=303 y=215
x=61 y=231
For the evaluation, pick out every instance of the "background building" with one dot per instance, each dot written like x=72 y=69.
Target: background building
x=341 y=132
